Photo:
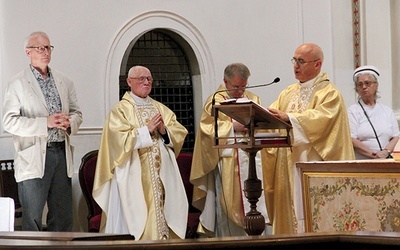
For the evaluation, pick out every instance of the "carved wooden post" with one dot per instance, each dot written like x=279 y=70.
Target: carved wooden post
x=254 y=221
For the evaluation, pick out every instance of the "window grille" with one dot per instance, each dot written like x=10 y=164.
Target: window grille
x=170 y=69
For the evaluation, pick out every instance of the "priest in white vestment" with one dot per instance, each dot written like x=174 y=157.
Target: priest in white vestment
x=218 y=175
x=137 y=181
x=321 y=132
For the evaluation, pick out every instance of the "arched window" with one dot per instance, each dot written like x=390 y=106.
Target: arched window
x=160 y=51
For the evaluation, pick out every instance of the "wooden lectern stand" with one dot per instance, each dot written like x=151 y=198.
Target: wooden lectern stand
x=254 y=117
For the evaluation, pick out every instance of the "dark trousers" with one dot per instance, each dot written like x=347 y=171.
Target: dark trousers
x=54 y=188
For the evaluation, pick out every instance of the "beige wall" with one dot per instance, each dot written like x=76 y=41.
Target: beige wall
x=91 y=36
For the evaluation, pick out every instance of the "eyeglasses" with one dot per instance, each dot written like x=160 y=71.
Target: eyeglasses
x=142 y=79
x=239 y=88
x=361 y=84
x=301 y=61
x=235 y=87
x=42 y=49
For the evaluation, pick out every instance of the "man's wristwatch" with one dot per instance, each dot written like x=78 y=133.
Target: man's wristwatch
x=388 y=150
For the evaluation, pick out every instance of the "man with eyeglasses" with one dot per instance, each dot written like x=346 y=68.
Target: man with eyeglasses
x=41 y=111
x=316 y=109
x=137 y=182
x=218 y=175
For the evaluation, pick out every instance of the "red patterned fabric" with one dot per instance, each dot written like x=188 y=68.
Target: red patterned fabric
x=86 y=177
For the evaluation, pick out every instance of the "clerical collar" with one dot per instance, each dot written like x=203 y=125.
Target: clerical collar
x=140 y=100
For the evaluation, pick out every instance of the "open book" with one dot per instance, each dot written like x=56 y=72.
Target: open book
x=239 y=100
x=243 y=100
x=265 y=130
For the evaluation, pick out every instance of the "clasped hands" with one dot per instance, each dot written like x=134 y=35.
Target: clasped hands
x=156 y=124
x=59 y=120
x=380 y=154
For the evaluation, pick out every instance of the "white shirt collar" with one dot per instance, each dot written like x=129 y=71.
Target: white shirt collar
x=140 y=100
x=309 y=83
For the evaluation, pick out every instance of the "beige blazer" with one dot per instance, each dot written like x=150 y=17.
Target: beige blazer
x=25 y=117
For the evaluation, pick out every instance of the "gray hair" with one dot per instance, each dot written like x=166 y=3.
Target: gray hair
x=136 y=68
x=374 y=78
x=365 y=73
x=238 y=69
x=34 y=34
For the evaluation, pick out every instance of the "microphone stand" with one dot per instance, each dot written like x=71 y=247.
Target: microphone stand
x=242 y=88
x=254 y=221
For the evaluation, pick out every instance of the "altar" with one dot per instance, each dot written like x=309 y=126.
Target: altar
x=351 y=195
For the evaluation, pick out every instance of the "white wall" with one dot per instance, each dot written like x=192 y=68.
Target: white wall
x=91 y=36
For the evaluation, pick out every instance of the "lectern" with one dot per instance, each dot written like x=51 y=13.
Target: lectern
x=254 y=117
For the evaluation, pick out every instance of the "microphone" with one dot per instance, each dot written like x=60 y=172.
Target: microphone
x=247 y=87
